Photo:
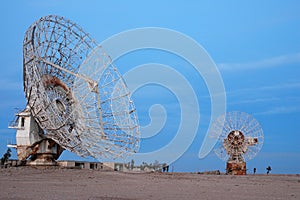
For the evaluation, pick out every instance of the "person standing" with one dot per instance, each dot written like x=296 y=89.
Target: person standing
x=268 y=169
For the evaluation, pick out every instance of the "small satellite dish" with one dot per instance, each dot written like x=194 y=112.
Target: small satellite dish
x=240 y=140
x=76 y=97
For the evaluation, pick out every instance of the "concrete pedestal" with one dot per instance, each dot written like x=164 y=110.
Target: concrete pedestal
x=234 y=168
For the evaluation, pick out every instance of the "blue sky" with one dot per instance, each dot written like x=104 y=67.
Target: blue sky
x=255 y=45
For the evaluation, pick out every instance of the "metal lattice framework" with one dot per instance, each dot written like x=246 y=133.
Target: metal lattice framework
x=75 y=93
x=240 y=137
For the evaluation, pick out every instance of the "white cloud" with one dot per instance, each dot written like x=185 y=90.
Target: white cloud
x=280 y=110
x=291 y=85
x=265 y=63
x=268 y=95
x=257 y=100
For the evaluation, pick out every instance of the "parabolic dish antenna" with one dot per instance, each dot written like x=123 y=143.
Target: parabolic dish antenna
x=240 y=140
x=74 y=92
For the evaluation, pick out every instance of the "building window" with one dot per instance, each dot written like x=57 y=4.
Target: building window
x=22 y=122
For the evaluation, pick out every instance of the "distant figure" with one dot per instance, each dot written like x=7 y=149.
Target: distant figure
x=165 y=168
x=254 y=170
x=5 y=157
x=268 y=169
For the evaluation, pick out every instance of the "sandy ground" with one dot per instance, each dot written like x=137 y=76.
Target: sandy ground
x=33 y=183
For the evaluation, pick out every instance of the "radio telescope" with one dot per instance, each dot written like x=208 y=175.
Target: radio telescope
x=239 y=139
x=76 y=98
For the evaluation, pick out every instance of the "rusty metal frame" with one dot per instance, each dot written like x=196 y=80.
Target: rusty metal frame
x=241 y=137
x=76 y=95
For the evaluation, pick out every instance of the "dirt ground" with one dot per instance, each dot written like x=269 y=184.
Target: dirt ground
x=37 y=183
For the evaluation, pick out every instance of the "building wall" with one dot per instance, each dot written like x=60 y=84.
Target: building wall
x=81 y=164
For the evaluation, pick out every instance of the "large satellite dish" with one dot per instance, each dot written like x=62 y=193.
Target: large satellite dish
x=75 y=94
x=240 y=138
